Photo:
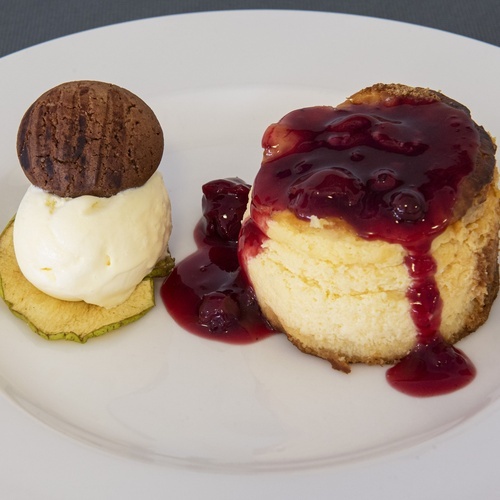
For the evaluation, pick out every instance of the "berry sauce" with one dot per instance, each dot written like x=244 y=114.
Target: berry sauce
x=392 y=171
x=207 y=293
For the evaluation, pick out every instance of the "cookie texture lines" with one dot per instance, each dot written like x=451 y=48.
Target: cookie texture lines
x=73 y=130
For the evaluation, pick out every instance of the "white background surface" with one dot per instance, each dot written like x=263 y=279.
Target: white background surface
x=151 y=408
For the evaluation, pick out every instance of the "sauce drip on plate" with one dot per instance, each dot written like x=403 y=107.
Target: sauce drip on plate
x=391 y=171
x=208 y=293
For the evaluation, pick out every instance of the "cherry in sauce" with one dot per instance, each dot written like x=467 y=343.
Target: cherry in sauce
x=392 y=171
x=208 y=293
x=376 y=169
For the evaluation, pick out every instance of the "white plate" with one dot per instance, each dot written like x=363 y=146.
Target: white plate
x=170 y=409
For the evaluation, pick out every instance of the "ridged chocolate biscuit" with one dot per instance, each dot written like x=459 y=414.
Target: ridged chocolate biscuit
x=89 y=138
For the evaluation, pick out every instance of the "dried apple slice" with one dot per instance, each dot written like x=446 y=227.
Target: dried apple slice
x=56 y=319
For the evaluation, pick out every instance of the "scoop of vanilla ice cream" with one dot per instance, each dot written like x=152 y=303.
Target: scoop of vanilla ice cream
x=90 y=248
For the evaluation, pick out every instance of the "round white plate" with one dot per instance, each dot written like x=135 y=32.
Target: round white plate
x=169 y=408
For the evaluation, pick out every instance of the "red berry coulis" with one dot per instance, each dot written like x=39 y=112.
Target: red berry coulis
x=392 y=171
x=208 y=293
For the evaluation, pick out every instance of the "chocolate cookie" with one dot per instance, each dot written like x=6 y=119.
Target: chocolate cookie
x=89 y=138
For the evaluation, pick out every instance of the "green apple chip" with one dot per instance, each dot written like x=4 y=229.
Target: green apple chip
x=163 y=267
x=56 y=319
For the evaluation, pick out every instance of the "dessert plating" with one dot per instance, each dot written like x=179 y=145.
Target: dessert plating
x=93 y=227
x=372 y=227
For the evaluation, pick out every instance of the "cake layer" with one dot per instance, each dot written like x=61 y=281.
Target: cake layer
x=344 y=298
x=372 y=228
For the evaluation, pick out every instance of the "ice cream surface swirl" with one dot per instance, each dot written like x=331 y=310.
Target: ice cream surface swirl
x=92 y=248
